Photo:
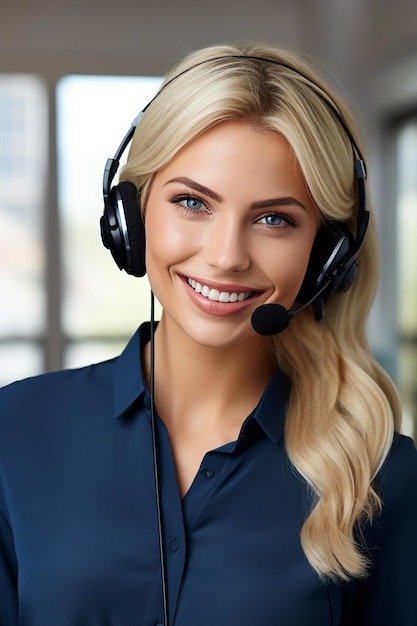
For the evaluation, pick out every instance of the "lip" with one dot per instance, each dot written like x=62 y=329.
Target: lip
x=215 y=307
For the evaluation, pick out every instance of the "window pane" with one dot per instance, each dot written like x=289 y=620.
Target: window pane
x=407 y=264
x=19 y=360
x=94 y=114
x=88 y=352
x=23 y=151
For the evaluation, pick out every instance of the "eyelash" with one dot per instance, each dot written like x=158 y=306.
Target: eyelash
x=288 y=221
x=180 y=198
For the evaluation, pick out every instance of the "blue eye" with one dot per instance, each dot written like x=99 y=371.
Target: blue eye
x=190 y=204
x=272 y=220
x=193 y=204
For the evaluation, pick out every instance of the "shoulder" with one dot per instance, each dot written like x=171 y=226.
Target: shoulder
x=396 y=484
x=46 y=393
x=399 y=471
x=57 y=380
x=387 y=596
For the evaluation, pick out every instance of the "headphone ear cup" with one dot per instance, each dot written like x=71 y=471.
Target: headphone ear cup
x=135 y=255
x=346 y=273
x=331 y=259
x=122 y=229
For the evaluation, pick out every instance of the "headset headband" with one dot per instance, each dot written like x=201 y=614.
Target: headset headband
x=334 y=255
x=112 y=165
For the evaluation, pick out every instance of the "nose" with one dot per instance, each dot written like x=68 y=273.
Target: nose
x=226 y=246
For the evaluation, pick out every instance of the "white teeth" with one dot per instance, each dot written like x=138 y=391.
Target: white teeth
x=218 y=296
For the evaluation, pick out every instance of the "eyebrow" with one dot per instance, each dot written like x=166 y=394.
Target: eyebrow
x=197 y=187
x=260 y=204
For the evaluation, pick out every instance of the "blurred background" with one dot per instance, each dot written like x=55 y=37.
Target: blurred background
x=73 y=75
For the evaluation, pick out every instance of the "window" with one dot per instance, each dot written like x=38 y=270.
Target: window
x=98 y=306
x=23 y=163
x=101 y=306
x=407 y=264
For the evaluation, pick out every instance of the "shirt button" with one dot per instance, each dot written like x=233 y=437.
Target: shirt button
x=208 y=473
x=174 y=545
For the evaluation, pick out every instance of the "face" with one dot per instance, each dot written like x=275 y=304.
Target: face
x=229 y=226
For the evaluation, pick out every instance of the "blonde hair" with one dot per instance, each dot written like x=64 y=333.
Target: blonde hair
x=337 y=433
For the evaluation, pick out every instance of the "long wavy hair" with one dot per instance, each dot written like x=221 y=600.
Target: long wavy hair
x=343 y=408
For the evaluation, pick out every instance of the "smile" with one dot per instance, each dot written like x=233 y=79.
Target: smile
x=219 y=296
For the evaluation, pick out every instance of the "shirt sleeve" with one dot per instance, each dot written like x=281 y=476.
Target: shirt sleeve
x=388 y=597
x=8 y=568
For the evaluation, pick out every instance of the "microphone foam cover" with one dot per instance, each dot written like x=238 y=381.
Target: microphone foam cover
x=270 y=319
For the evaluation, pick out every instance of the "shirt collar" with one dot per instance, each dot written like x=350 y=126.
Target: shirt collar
x=271 y=409
x=130 y=385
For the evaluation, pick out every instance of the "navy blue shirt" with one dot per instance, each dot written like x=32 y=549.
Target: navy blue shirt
x=78 y=526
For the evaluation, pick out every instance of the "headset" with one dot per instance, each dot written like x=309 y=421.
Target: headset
x=333 y=261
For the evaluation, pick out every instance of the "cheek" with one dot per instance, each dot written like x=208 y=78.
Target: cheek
x=289 y=271
x=166 y=245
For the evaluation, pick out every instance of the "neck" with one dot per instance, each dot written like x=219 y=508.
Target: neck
x=207 y=384
x=204 y=394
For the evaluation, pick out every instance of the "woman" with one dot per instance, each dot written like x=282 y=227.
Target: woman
x=224 y=469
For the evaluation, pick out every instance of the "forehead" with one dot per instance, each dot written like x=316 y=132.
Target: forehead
x=235 y=143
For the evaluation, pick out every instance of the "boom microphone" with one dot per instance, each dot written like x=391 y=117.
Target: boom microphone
x=272 y=318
